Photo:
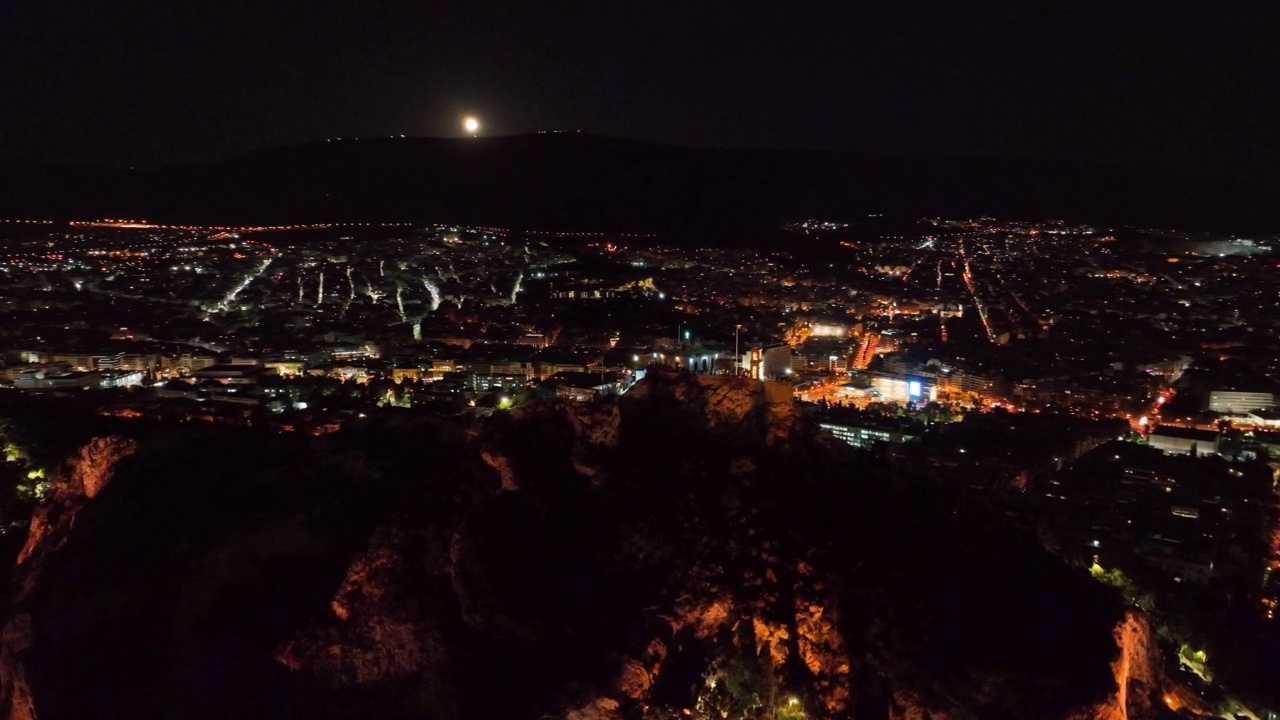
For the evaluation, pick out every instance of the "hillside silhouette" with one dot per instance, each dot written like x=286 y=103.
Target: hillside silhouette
x=579 y=181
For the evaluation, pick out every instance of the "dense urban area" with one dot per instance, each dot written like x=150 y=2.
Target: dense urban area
x=1110 y=392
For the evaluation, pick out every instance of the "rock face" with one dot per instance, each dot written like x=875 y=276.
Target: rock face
x=83 y=478
x=376 y=632
x=692 y=549
x=1137 y=669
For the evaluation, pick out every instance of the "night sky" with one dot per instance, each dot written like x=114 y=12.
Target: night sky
x=1189 y=85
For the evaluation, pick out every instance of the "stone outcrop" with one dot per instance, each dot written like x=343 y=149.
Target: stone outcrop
x=597 y=709
x=376 y=633
x=83 y=478
x=728 y=404
x=822 y=649
x=1137 y=669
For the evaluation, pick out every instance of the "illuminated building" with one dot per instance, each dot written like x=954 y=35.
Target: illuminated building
x=1255 y=418
x=828 y=330
x=286 y=367
x=584 y=386
x=904 y=388
x=229 y=374
x=484 y=382
x=501 y=367
x=186 y=363
x=768 y=362
x=45 y=380
x=89 y=361
x=864 y=437
x=120 y=378
x=400 y=374
x=989 y=387
x=1234 y=401
x=889 y=341
x=1183 y=441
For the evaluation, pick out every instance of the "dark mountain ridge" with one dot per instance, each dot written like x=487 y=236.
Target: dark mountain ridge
x=579 y=181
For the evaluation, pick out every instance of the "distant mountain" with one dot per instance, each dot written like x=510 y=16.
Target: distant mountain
x=583 y=181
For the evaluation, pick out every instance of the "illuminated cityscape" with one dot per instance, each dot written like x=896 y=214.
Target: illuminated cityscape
x=630 y=361
x=1115 y=400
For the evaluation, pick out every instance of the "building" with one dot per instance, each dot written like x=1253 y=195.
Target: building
x=88 y=361
x=823 y=356
x=231 y=374
x=500 y=367
x=1236 y=401
x=903 y=388
x=1255 y=418
x=583 y=386
x=890 y=340
x=357 y=352
x=828 y=328
x=401 y=373
x=987 y=387
x=46 y=380
x=583 y=292
x=141 y=362
x=484 y=382
x=864 y=437
x=286 y=367
x=1183 y=441
x=120 y=378
x=768 y=362
x=186 y=363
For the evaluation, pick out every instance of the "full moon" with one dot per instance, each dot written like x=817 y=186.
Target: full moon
x=471 y=125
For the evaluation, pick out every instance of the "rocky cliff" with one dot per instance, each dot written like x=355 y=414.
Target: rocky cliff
x=84 y=476
x=692 y=549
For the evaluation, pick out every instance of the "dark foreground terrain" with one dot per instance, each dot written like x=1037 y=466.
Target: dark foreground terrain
x=692 y=549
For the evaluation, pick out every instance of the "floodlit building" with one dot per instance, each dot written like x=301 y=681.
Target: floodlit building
x=992 y=387
x=186 y=363
x=286 y=367
x=45 y=380
x=1236 y=401
x=1255 y=418
x=768 y=362
x=864 y=437
x=231 y=374
x=1183 y=441
x=120 y=378
x=583 y=386
x=485 y=382
x=904 y=388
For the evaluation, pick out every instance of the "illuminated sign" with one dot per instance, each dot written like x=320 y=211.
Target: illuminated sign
x=914 y=390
